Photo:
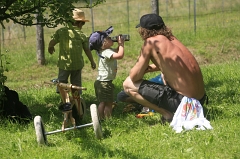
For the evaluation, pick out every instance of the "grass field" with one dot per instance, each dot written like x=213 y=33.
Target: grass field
x=125 y=136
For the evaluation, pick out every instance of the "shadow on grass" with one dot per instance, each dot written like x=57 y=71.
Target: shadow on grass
x=212 y=113
x=51 y=108
x=223 y=95
x=95 y=148
x=83 y=138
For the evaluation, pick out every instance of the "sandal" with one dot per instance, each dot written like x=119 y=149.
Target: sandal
x=114 y=104
x=132 y=108
x=65 y=107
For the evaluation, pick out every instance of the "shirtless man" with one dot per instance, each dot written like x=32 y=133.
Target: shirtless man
x=182 y=74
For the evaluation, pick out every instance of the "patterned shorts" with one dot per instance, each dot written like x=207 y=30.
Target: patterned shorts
x=104 y=91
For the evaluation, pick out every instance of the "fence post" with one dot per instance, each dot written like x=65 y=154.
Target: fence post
x=128 y=16
x=1 y=47
x=155 y=8
x=9 y=33
x=92 y=16
x=195 y=26
x=167 y=8
x=2 y=38
x=223 y=11
x=24 y=33
x=189 y=10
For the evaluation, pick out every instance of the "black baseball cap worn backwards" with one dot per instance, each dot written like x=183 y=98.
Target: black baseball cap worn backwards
x=151 y=22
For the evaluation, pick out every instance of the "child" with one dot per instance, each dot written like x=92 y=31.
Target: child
x=107 y=68
x=72 y=42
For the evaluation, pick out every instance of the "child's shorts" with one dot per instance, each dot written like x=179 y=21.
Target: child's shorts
x=104 y=91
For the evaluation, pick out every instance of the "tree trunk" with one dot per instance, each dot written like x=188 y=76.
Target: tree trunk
x=40 y=45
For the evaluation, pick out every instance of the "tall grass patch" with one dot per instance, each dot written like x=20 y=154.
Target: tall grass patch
x=216 y=47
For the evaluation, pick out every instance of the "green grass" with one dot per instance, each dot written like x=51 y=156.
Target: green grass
x=216 y=46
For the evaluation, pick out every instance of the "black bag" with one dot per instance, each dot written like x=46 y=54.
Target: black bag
x=14 y=109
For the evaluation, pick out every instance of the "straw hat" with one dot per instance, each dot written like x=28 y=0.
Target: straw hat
x=78 y=15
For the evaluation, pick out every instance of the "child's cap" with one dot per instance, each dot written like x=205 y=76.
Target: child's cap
x=96 y=38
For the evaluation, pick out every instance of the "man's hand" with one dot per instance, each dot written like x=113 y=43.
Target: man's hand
x=152 y=68
x=149 y=69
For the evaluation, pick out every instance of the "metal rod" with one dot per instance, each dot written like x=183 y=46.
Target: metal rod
x=189 y=11
x=92 y=16
x=67 y=129
x=195 y=15
x=128 y=15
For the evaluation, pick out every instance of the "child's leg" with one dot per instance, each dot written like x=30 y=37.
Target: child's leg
x=101 y=108
x=104 y=92
x=108 y=109
x=105 y=110
x=77 y=100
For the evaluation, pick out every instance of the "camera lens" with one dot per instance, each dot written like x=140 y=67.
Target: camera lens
x=114 y=38
x=126 y=37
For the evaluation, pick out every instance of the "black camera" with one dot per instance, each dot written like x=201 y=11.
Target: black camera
x=126 y=37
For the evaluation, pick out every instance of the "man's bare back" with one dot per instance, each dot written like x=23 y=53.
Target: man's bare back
x=180 y=68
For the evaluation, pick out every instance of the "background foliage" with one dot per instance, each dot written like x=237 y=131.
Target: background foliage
x=48 y=13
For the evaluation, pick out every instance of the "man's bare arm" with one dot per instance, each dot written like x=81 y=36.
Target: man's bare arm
x=138 y=70
x=152 y=68
x=120 y=51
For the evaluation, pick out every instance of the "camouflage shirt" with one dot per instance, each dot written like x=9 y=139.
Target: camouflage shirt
x=71 y=42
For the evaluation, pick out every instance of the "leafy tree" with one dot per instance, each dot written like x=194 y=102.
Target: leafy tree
x=47 y=13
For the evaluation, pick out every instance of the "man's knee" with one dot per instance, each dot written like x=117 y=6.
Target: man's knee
x=126 y=84
x=129 y=86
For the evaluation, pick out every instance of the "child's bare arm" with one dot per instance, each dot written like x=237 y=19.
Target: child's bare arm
x=51 y=45
x=120 y=50
x=90 y=57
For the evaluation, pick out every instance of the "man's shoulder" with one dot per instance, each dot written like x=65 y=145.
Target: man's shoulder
x=158 y=37
x=155 y=40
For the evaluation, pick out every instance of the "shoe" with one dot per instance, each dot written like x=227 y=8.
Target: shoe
x=60 y=106
x=132 y=108
x=67 y=107
x=145 y=110
x=55 y=81
x=114 y=104
x=164 y=121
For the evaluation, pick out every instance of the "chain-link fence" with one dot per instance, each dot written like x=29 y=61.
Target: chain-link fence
x=125 y=14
